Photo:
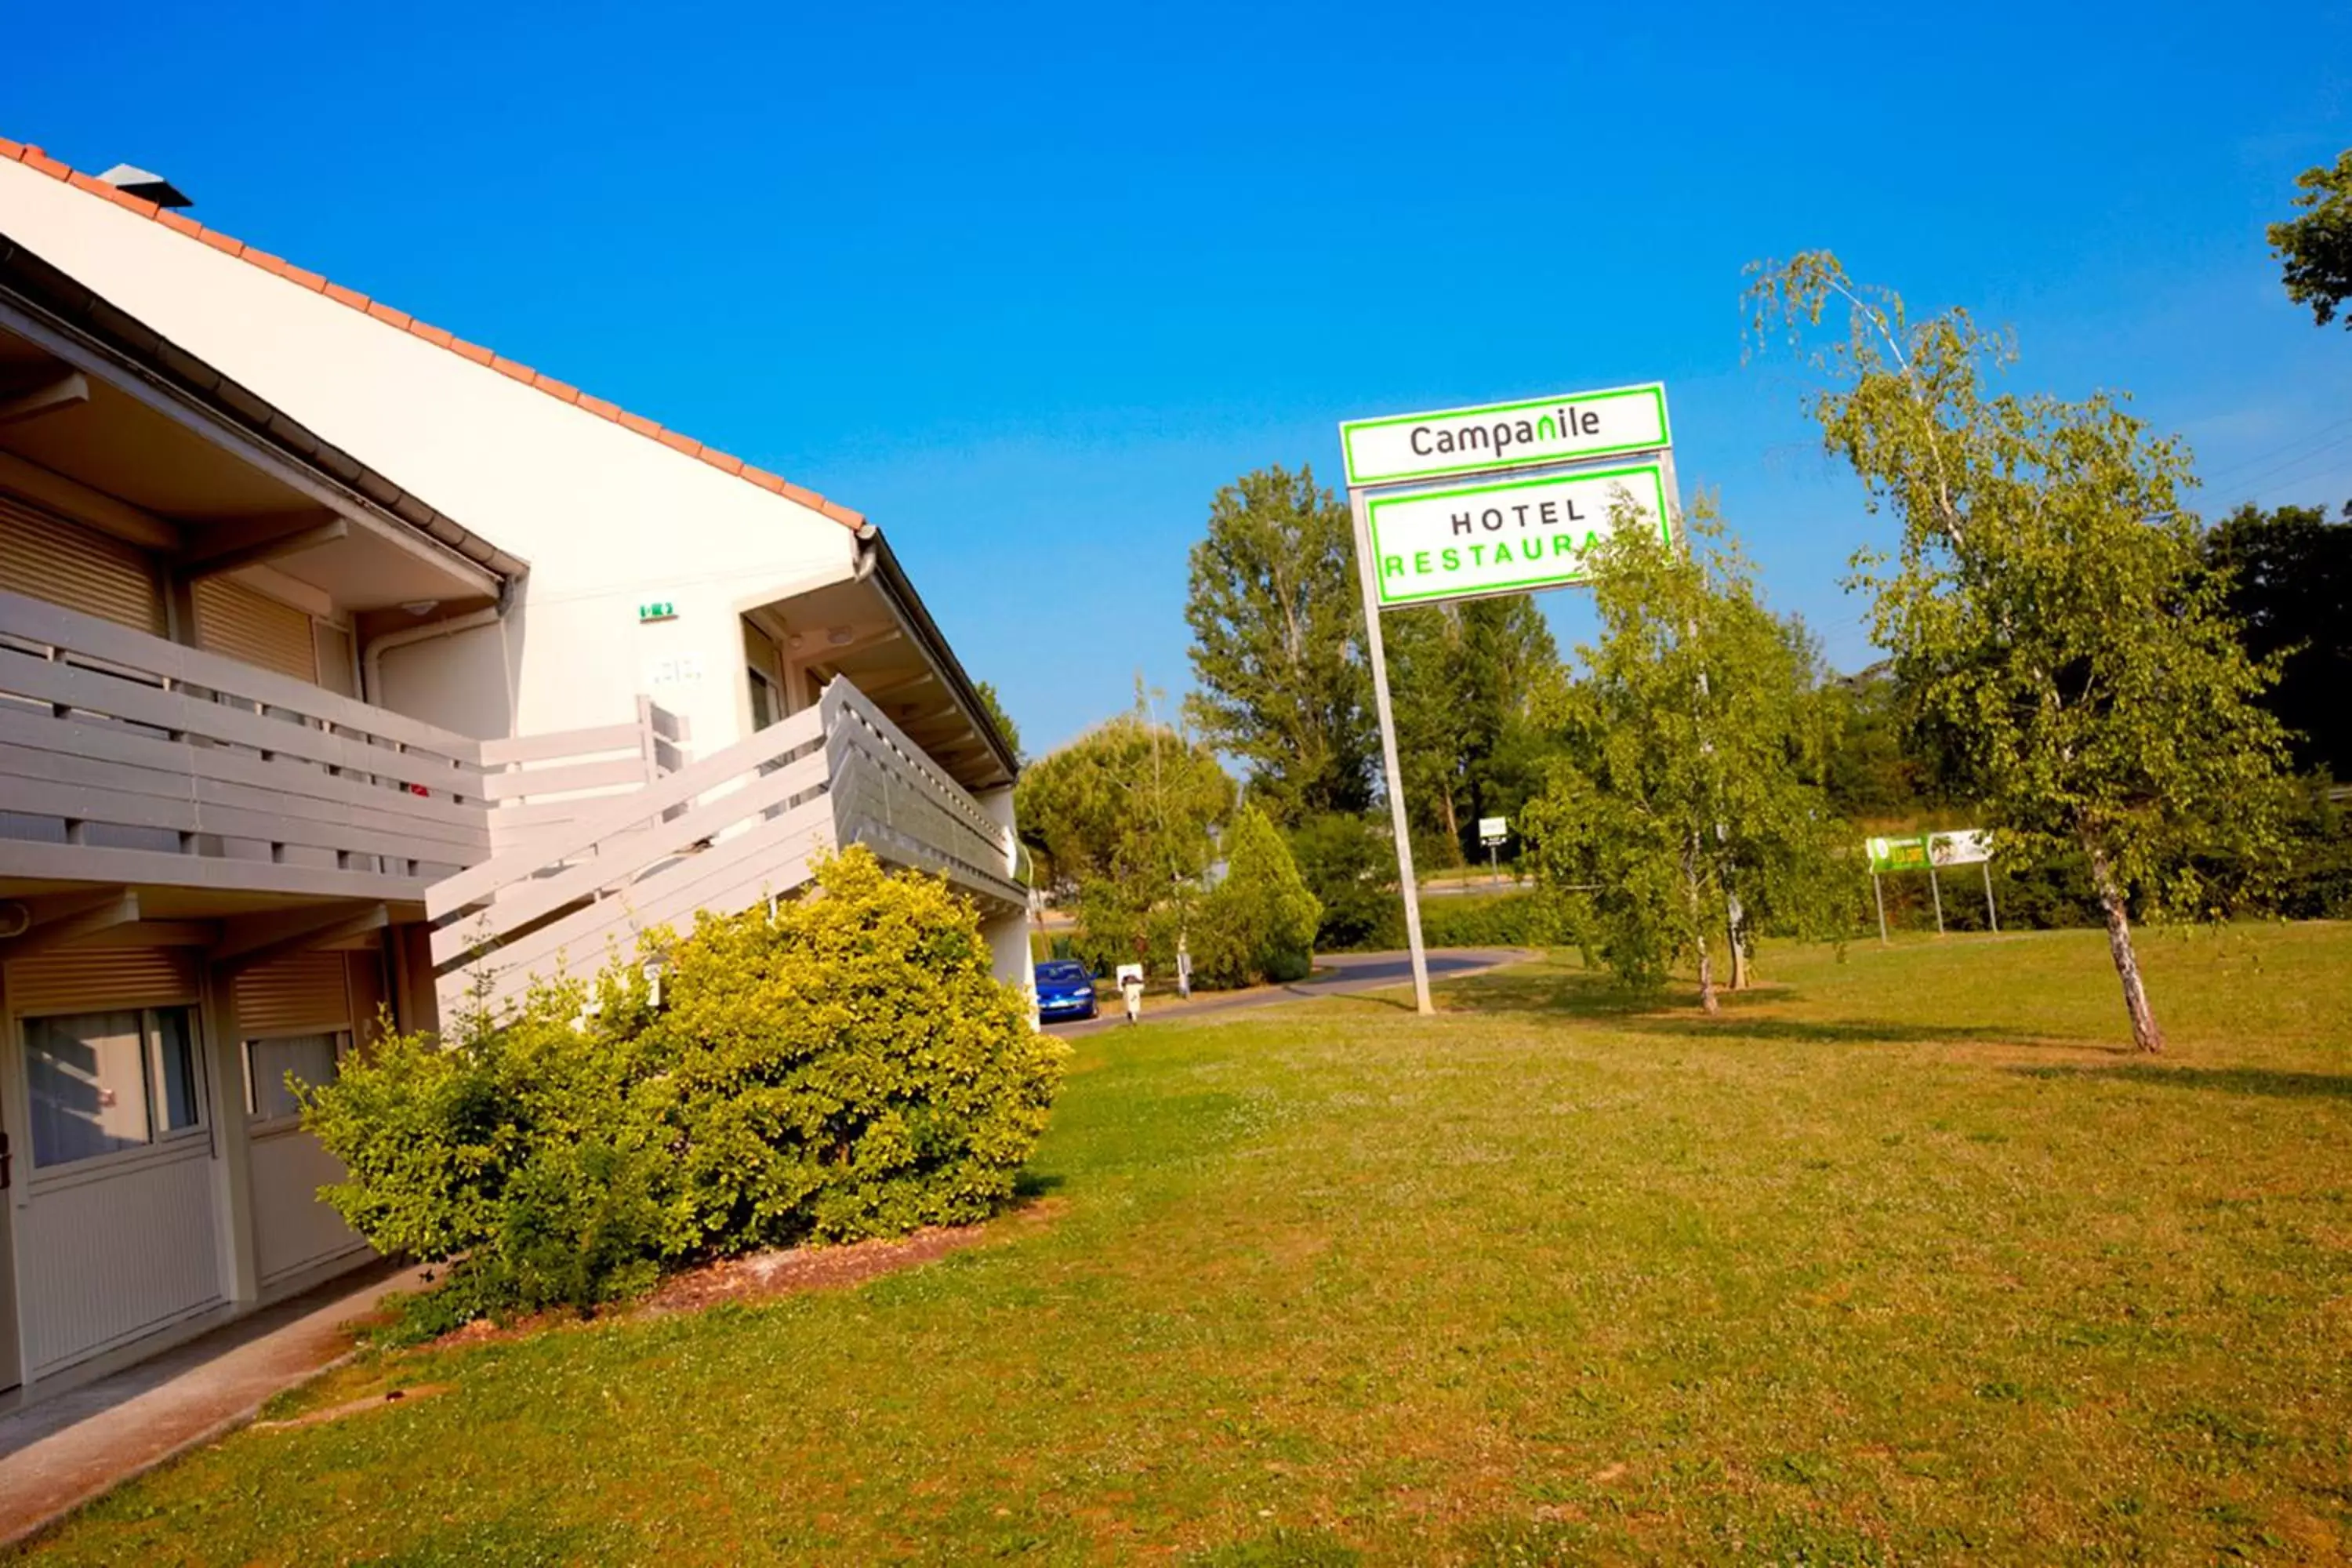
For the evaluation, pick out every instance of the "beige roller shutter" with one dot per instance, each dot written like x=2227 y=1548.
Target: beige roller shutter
x=232 y=619
x=44 y=556
x=299 y=993
x=100 y=980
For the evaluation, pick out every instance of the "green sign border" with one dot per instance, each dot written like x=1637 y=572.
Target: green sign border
x=1656 y=472
x=1347 y=428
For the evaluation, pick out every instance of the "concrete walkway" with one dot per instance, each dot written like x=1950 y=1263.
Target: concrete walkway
x=61 y=1453
x=1336 y=974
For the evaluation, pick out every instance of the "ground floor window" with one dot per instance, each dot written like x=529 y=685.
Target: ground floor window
x=100 y=1083
x=309 y=1060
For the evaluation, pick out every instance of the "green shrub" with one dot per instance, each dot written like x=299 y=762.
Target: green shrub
x=1259 y=922
x=849 y=1068
x=1532 y=919
x=1350 y=867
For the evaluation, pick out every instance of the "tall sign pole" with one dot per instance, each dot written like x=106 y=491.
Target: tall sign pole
x=1468 y=503
x=1377 y=652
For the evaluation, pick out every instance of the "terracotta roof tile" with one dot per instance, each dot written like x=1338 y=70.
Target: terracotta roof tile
x=34 y=158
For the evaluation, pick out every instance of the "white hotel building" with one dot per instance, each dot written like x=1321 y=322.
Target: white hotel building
x=346 y=666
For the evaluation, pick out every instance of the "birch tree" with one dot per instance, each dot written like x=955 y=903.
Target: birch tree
x=1688 y=744
x=2044 y=607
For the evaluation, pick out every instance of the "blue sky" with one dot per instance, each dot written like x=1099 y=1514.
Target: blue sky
x=1028 y=284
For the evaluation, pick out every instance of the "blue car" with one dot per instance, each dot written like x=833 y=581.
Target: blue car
x=1066 y=989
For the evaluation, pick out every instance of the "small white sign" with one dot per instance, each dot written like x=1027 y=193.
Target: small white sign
x=1571 y=427
x=1507 y=537
x=1494 y=829
x=1128 y=972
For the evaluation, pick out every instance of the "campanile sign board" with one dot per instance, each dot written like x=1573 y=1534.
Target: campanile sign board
x=1505 y=536
x=1502 y=497
x=1576 y=428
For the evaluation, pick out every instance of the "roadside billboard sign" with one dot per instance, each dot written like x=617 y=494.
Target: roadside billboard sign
x=1899 y=852
x=1494 y=829
x=1571 y=427
x=1961 y=847
x=1930 y=852
x=1504 y=536
x=1921 y=851
x=1444 y=509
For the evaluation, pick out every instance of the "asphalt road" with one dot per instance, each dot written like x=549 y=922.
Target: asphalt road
x=1336 y=974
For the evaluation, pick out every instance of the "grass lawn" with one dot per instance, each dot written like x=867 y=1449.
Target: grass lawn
x=1903 y=1261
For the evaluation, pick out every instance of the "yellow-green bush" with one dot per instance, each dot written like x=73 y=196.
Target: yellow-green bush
x=847 y=1069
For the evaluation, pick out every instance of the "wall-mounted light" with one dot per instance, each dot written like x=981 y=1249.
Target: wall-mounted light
x=840 y=636
x=420 y=608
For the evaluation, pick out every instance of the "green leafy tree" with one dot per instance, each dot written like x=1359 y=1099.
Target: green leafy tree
x=2047 y=607
x=2289 y=575
x=1460 y=676
x=1259 y=922
x=1874 y=770
x=1119 y=822
x=1277 y=645
x=1686 y=748
x=1000 y=719
x=2314 y=251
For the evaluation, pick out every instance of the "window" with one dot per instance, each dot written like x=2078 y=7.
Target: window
x=767 y=703
x=309 y=1059
x=104 y=1082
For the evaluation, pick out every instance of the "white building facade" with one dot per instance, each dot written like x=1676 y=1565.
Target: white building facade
x=348 y=670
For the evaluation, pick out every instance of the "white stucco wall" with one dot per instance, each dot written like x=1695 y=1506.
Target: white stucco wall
x=607 y=517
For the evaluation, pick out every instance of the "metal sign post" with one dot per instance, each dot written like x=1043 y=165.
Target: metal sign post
x=1394 y=773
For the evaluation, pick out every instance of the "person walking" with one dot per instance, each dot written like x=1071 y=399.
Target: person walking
x=1130 y=989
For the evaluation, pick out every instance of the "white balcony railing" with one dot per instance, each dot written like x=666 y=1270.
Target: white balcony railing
x=720 y=834
x=129 y=759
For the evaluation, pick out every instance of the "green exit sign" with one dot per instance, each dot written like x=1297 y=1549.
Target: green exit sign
x=659 y=610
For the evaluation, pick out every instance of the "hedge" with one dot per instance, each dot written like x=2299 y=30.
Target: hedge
x=849 y=1068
